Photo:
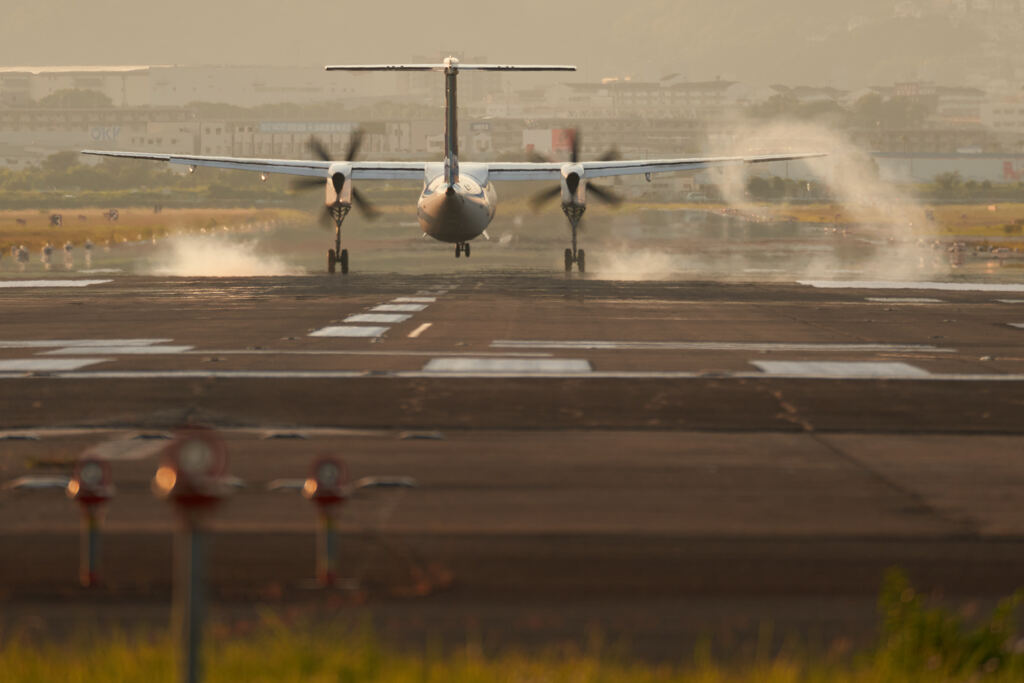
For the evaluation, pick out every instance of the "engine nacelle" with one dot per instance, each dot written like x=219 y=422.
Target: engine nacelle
x=338 y=189
x=574 y=189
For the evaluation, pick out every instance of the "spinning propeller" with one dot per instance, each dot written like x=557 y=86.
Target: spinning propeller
x=338 y=179
x=573 y=180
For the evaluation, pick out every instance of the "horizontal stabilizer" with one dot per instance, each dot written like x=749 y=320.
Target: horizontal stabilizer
x=444 y=67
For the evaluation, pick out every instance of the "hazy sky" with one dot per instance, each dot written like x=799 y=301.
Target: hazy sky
x=824 y=41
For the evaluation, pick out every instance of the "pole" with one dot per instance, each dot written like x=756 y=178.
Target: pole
x=189 y=600
x=326 y=549
x=89 y=547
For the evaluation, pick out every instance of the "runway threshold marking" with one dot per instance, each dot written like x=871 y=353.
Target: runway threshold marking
x=505 y=365
x=415 y=300
x=839 y=369
x=420 y=330
x=64 y=343
x=363 y=331
x=116 y=350
x=399 y=308
x=712 y=346
x=47 y=364
x=896 y=284
x=24 y=284
x=378 y=318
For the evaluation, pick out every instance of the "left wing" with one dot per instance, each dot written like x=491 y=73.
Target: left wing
x=366 y=170
x=602 y=169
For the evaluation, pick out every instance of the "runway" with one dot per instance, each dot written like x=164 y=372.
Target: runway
x=576 y=441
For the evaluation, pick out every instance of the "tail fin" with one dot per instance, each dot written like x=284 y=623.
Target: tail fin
x=451 y=68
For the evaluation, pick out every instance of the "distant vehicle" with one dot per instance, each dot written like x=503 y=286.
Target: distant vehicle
x=458 y=199
x=696 y=197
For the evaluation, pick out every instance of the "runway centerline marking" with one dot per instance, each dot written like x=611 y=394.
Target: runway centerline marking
x=117 y=350
x=399 y=308
x=48 y=364
x=520 y=365
x=713 y=346
x=378 y=318
x=893 y=284
x=64 y=343
x=349 y=331
x=415 y=300
x=839 y=369
x=21 y=284
x=420 y=330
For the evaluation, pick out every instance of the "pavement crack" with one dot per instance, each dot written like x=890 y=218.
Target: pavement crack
x=920 y=504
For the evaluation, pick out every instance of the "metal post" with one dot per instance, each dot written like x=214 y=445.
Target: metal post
x=190 y=599
x=326 y=549
x=89 y=547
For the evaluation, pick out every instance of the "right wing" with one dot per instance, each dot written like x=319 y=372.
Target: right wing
x=365 y=170
x=600 y=169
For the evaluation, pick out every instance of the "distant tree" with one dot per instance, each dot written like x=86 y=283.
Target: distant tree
x=948 y=184
x=76 y=99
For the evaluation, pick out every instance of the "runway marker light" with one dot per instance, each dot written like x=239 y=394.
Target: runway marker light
x=91 y=486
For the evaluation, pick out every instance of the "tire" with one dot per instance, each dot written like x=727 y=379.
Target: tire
x=344 y=261
x=568 y=260
x=581 y=261
x=458 y=250
x=331 y=260
x=465 y=248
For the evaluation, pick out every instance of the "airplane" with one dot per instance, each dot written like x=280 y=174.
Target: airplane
x=458 y=200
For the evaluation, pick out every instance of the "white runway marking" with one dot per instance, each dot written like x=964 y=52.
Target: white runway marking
x=117 y=350
x=47 y=364
x=519 y=365
x=399 y=308
x=349 y=331
x=415 y=300
x=1010 y=301
x=883 y=284
x=420 y=330
x=20 y=284
x=367 y=352
x=1017 y=325
x=60 y=343
x=712 y=346
x=839 y=369
x=378 y=318
x=902 y=300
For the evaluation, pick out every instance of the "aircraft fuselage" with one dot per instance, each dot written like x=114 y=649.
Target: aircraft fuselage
x=460 y=212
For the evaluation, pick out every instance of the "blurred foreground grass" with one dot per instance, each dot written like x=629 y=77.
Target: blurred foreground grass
x=916 y=643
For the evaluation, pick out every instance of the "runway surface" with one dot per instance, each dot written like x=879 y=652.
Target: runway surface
x=693 y=454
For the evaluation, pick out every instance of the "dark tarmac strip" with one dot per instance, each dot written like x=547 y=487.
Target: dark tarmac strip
x=588 y=452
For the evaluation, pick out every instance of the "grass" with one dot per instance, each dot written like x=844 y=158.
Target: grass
x=32 y=228
x=916 y=643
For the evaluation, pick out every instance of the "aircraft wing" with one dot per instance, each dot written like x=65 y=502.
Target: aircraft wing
x=366 y=170
x=602 y=169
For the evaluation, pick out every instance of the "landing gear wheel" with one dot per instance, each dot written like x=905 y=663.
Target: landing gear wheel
x=581 y=262
x=344 y=261
x=465 y=249
x=331 y=260
x=458 y=250
x=568 y=260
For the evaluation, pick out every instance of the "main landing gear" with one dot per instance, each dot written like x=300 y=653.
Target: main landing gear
x=461 y=248
x=574 y=212
x=338 y=257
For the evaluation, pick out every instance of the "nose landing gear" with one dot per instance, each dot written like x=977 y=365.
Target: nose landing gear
x=461 y=248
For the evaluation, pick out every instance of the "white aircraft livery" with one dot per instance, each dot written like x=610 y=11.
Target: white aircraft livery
x=458 y=199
